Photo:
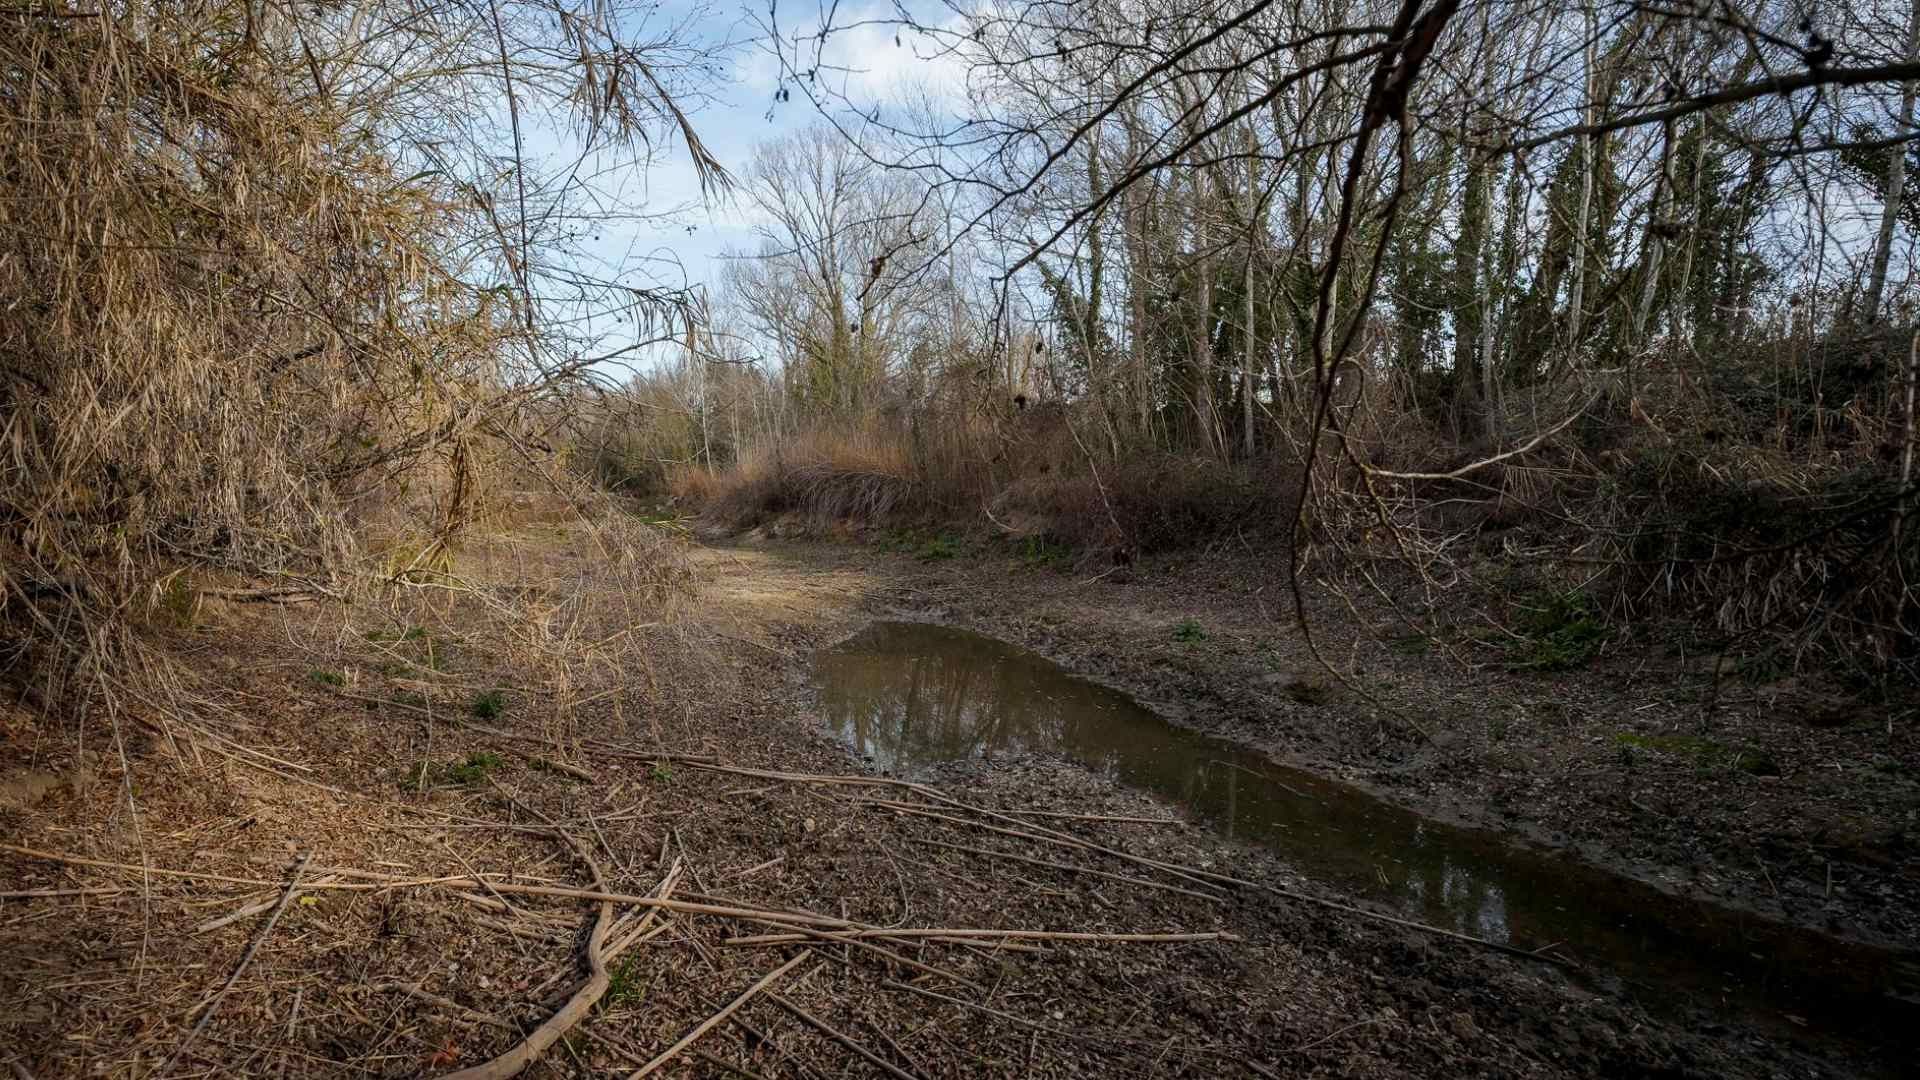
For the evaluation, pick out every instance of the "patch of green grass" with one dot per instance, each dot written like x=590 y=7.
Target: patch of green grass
x=1044 y=552
x=472 y=770
x=660 y=518
x=179 y=603
x=1189 y=630
x=1411 y=644
x=1703 y=752
x=943 y=546
x=623 y=984
x=323 y=677
x=662 y=772
x=921 y=545
x=489 y=705
x=1560 y=631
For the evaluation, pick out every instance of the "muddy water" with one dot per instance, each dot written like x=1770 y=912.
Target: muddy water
x=908 y=695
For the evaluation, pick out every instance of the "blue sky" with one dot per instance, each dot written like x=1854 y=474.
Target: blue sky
x=741 y=113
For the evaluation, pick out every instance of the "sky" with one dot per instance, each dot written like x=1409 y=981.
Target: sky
x=741 y=114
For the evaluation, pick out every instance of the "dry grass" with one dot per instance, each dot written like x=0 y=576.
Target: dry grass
x=826 y=477
x=253 y=342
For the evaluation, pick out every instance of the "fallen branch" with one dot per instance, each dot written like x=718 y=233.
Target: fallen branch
x=1128 y=819
x=797 y=934
x=447 y=1005
x=529 y=1049
x=251 y=909
x=212 y=1004
x=830 y=1032
x=1017 y=935
x=1050 y=836
x=718 y=1018
x=1129 y=879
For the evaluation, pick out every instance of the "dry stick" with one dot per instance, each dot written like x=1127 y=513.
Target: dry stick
x=1128 y=818
x=723 y=1063
x=802 y=933
x=828 y=920
x=382 y=881
x=879 y=1062
x=213 y=1003
x=385 y=882
x=1068 y=840
x=529 y=1049
x=251 y=909
x=413 y=990
x=1045 y=835
x=34 y=894
x=1070 y=867
x=718 y=1018
x=1040 y=832
x=840 y=936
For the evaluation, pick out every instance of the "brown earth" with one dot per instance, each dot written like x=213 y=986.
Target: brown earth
x=307 y=740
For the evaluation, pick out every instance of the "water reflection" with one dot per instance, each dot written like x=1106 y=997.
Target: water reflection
x=908 y=695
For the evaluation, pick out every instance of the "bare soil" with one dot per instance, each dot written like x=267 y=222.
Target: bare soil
x=158 y=858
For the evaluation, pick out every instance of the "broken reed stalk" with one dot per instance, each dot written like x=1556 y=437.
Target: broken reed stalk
x=1045 y=835
x=718 y=1018
x=1030 y=860
x=447 y=1005
x=1015 y=935
x=836 y=1035
x=1041 y=833
x=802 y=933
x=213 y=1003
x=529 y=1049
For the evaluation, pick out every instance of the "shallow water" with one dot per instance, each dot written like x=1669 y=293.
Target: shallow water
x=909 y=695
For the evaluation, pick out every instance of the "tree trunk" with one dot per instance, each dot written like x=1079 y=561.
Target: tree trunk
x=1896 y=182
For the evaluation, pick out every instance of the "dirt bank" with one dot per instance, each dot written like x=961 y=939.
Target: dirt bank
x=456 y=740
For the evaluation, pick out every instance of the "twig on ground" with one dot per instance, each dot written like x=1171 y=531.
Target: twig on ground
x=212 y=1004
x=720 y=1017
x=529 y=1049
x=1071 y=868
x=799 y=934
x=253 y=908
x=1018 y=935
x=829 y=1031
x=449 y=1006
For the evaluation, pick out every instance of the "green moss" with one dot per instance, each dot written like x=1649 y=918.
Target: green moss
x=1189 y=630
x=322 y=677
x=489 y=705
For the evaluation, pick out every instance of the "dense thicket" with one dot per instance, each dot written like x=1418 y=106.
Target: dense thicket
x=278 y=293
x=1621 y=287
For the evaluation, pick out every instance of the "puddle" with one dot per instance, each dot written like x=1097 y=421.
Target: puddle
x=910 y=695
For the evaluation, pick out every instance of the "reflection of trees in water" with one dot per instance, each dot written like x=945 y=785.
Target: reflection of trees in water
x=911 y=696
x=908 y=702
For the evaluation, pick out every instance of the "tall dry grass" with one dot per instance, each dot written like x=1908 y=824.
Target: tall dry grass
x=258 y=332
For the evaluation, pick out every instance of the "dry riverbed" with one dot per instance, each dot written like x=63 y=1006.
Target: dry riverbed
x=559 y=731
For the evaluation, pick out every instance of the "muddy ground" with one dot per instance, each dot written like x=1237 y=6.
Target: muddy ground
x=558 y=728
